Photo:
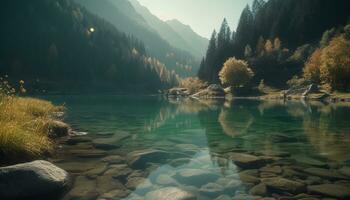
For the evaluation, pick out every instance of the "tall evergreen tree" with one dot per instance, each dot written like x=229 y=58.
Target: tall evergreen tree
x=244 y=33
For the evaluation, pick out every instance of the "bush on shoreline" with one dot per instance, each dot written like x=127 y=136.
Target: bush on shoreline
x=24 y=126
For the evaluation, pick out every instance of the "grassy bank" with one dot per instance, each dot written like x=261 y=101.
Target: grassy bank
x=24 y=128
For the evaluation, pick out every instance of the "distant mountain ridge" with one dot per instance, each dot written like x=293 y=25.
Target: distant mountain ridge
x=177 y=34
x=191 y=37
x=123 y=15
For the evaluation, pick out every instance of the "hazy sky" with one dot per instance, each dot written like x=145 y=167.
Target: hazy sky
x=202 y=15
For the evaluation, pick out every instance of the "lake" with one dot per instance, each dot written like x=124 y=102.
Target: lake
x=150 y=147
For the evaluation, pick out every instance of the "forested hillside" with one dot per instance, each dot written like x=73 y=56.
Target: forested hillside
x=122 y=15
x=276 y=38
x=56 y=45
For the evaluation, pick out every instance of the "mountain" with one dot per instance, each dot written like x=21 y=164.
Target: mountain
x=56 y=45
x=176 y=33
x=198 y=42
x=123 y=16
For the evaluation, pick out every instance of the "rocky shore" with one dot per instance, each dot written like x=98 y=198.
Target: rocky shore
x=105 y=171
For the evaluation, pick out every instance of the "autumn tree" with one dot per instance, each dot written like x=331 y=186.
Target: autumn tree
x=312 y=67
x=335 y=68
x=235 y=73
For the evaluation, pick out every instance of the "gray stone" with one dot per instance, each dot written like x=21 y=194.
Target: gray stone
x=34 y=179
x=196 y=177
x=140 y=159
x=284 y=185
x=110 y=142
x=331 y=190
x=58 y=129
x=170 y=193
x=247 y=161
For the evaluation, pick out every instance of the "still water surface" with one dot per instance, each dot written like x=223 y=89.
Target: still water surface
x=137 y=146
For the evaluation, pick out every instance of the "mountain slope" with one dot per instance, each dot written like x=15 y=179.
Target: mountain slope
x=122 y=15
x=55 y=45
x=185 y=40
x=198 y=42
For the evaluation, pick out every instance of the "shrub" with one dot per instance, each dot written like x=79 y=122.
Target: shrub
x=235 y=73
x=312 y=67
x=193 y=84
x=335 y=68
x=23 y=124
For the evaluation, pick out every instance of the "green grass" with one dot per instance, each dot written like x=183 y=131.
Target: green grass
x=24 y=127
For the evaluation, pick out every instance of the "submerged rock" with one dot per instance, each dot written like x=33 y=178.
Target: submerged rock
x=170 y=193
x=331 y=190
x=140 y=159
x=109 y=143
x=325 y=173
x=279 y=184
x=83 y=188
x=196 y=177
x=211 y=190
x=247 y=161
x=34 y=179
x=260 y=190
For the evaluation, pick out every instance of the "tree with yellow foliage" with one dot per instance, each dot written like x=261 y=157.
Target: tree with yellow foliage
x=235 y=73
x=312 y=67
x=335 y=58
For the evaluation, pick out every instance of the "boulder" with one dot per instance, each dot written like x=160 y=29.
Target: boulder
x=32 y=180
x=330 y=190
x=247 y=161
x=178 y=92
x=170 y=193
x=58 y=129
x=140 y=159
x=271 y=169
x=278 y=184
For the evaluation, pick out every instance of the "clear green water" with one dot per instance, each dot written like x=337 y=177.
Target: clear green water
x=200 y=135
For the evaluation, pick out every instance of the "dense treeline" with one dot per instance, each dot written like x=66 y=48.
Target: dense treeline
x=275 y=38
x=57 y=45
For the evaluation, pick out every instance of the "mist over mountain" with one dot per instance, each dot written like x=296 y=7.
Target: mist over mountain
x=198 y=42
x=177 y=34
x=123 y=16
